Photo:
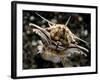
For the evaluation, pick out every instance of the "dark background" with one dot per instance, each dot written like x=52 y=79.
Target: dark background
x=79 y=25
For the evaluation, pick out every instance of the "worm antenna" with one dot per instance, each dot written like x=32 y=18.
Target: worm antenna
x=42 y=30
x=77 y=38
x=42 y=36
x=68 y=21
x=45 y=19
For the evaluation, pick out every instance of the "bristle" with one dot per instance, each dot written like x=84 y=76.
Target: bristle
x=68 y=21
x=45 y=19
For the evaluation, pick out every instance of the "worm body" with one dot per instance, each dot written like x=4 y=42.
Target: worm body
x=58 y=41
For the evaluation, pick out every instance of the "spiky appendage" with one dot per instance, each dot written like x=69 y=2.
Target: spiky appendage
x=57 y=34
